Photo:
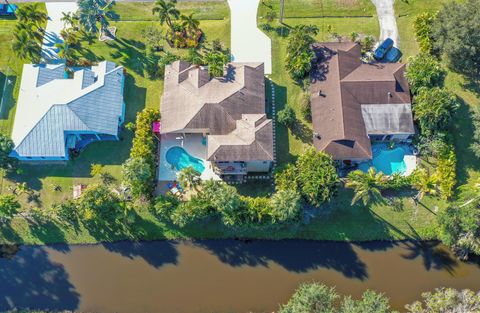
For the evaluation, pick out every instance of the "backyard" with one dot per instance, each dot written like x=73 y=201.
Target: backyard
x=338 y=220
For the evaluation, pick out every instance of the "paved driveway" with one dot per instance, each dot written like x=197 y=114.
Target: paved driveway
x=386 y=18
x=54 y=26
x=249 y=44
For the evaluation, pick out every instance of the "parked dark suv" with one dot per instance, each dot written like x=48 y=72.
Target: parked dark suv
x=382 y=50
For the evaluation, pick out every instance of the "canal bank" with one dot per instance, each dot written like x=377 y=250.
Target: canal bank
x=219 y=276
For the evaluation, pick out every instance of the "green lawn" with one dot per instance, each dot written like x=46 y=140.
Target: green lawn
x=140 y=91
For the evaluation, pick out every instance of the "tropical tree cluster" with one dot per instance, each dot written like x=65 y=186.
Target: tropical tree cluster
x=287 y=117
x=298 y=61
x=318 y=298
x=424 y=71
x=183 y=30
x=29 y=31
x=139 y=169
x=313 y=175
x=6 y=146
x=455 y=34
x=216 y=199
x=9 y=206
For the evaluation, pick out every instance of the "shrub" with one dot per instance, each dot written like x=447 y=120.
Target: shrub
x=475 y=145
x=165 y=205
x=433 y=109
x=6 y=147
x=299 y=51
x=317 y=176
x=424 y=71
x=287 y=178
x=258 y=209
x=287 y=117
x=305 y=106
x=285 y=206
x=138 y=176
x=144 y=147
x=422 y=26
x=9 y=206
x=445 y=173
x=99 y=204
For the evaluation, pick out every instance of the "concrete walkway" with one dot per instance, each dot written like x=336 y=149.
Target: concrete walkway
x=249 y=44
x=386 y=18
x=54 y=26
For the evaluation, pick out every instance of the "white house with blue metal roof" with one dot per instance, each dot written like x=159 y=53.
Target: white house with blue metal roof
x=56 y=114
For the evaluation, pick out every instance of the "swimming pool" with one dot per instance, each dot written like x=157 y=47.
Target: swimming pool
x=386 y=160
x=180 y=159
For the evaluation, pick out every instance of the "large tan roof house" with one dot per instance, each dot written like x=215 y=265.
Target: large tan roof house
x=228 y=111
x=354 y=103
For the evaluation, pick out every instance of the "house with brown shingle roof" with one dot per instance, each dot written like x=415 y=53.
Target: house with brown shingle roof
x=354 y=103
x=228 y=111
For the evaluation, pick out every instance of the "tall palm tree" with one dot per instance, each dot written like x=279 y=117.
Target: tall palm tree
x=167 y=12
x=424 y=183
x=65 y=51
x=31 y=29
x=92 y=12
x=31 y=12
x=26 y=47
x=70 y=20
x=189 y=22
x=367 y=186
x=189 y=177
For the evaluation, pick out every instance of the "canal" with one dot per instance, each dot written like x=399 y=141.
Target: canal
x=219 y=276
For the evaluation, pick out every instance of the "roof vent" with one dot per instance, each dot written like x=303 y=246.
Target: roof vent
x=317 y=136
x=390 y=94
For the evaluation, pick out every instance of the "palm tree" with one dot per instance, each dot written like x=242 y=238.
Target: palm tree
x=70 y=20
x=26 y=47
x=32 y=13
x=189 y=177
x=189 y=22
x=424 y=183
x=367 y=186
x=91 y=12
x=31 y=29
x=167 y=11
x=216 y=62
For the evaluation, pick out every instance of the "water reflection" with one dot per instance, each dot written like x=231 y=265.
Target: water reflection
x=218 y=275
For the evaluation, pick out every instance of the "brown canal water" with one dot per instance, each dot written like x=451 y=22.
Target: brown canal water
x=219 y=276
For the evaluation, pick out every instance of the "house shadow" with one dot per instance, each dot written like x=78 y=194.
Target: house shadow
x=31 y=280
x=298 y=256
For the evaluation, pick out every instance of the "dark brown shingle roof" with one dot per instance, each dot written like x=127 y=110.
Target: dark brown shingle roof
x=341 y=86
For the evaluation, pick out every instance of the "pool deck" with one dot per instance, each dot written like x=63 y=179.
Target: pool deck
x=411 y=163
x=192 y=143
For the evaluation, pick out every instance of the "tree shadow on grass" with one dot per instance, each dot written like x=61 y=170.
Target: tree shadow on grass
x=48 y=232
x=302 y=132
x=462 y=132
x=31 y=279
x=129 y=55
x=297 y=256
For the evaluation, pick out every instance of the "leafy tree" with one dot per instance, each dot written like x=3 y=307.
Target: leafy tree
x=6 y=147
x=197 y=208
x=285 y=206
x=93 y=12
x=99 y=204
x=317 y=176
x=444 y=300
x=459 y=228
x=167 y=12
x=311 y=298
x=422 y=27
x=424 y=183
x=165 y=205
x=424 y=71
x=225 y=200
x=271 y=16
x=287 y=178
x=9 y=206
x=475 y=145
x=138 y=175
x=96 y=169
x=445 y=173
x=189 y=177
x=287 y=117
x=371 y=302
x=26 y=47
x=455 y=31
x=216 y=62
x=367 y=186
x=144 y=143
x=433 y=109
x=153 y=35
x=258 y=209
x=299 y=52
x=66 y=211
